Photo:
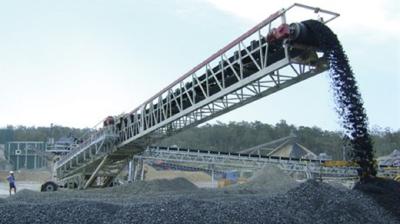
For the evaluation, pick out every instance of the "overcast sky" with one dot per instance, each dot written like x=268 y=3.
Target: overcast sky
x=73 y=62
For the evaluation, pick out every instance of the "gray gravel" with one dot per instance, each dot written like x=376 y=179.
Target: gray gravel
x=311 y=202
x=270 y=180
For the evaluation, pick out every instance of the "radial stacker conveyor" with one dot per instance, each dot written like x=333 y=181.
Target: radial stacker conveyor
x=271 y=56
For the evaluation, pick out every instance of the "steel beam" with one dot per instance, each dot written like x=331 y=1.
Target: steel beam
x=309 y=166
x=93 y=176
x=245 y=70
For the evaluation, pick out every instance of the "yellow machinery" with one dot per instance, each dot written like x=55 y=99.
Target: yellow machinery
x=339 y=163
x=223 y=183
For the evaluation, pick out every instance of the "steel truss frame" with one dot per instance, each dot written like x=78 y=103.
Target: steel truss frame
x=312 y=168
x=238 y=74
x=100 y=143
x=262 y=147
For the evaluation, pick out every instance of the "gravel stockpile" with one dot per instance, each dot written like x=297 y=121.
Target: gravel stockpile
x=117 y=194
x=310 y=202
x=385 y=192
x=153 y=186
x=194 y=177
x=336 y=205
x=270 y=180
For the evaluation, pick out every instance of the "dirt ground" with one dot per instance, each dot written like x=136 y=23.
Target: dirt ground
x=25 y=179
x=27 y=175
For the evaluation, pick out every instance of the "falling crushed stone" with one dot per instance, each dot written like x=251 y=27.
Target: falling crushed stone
x=349 y=104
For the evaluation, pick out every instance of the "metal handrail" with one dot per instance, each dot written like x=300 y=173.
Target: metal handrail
x=90 y=137
x=93 y=137
x=235 y=42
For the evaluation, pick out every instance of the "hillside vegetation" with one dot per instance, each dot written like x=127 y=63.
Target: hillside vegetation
x=233 y=136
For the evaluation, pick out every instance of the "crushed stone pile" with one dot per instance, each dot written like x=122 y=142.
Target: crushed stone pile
x=269 y=179
x=385 y=192
x=335 y=205
x=26 y=195
x=310 y=202
x=120 y=193
x=153 y=186
x=194 y=177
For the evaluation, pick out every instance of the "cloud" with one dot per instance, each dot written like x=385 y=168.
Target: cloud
x=373 y=20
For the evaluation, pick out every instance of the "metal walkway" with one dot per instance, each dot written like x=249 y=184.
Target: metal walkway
x=247 y=69
x=310 y=167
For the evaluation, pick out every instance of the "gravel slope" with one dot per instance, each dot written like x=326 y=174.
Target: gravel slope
x=311 y=202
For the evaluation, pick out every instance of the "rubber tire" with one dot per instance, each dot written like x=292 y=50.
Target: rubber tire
x=49 y=186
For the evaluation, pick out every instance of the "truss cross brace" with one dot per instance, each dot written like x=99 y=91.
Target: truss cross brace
x=93 y=176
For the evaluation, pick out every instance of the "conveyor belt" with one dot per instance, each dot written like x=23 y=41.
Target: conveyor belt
x=247 y=69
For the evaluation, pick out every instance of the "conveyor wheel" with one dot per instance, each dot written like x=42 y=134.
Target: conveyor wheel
x=49 y=186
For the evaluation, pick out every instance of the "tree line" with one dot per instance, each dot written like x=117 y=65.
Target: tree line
x=23 y=133
x=230 y=137
x=236 y=136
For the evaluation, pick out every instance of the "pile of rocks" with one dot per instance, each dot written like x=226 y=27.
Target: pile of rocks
x=310 y=202
x=269 y=180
